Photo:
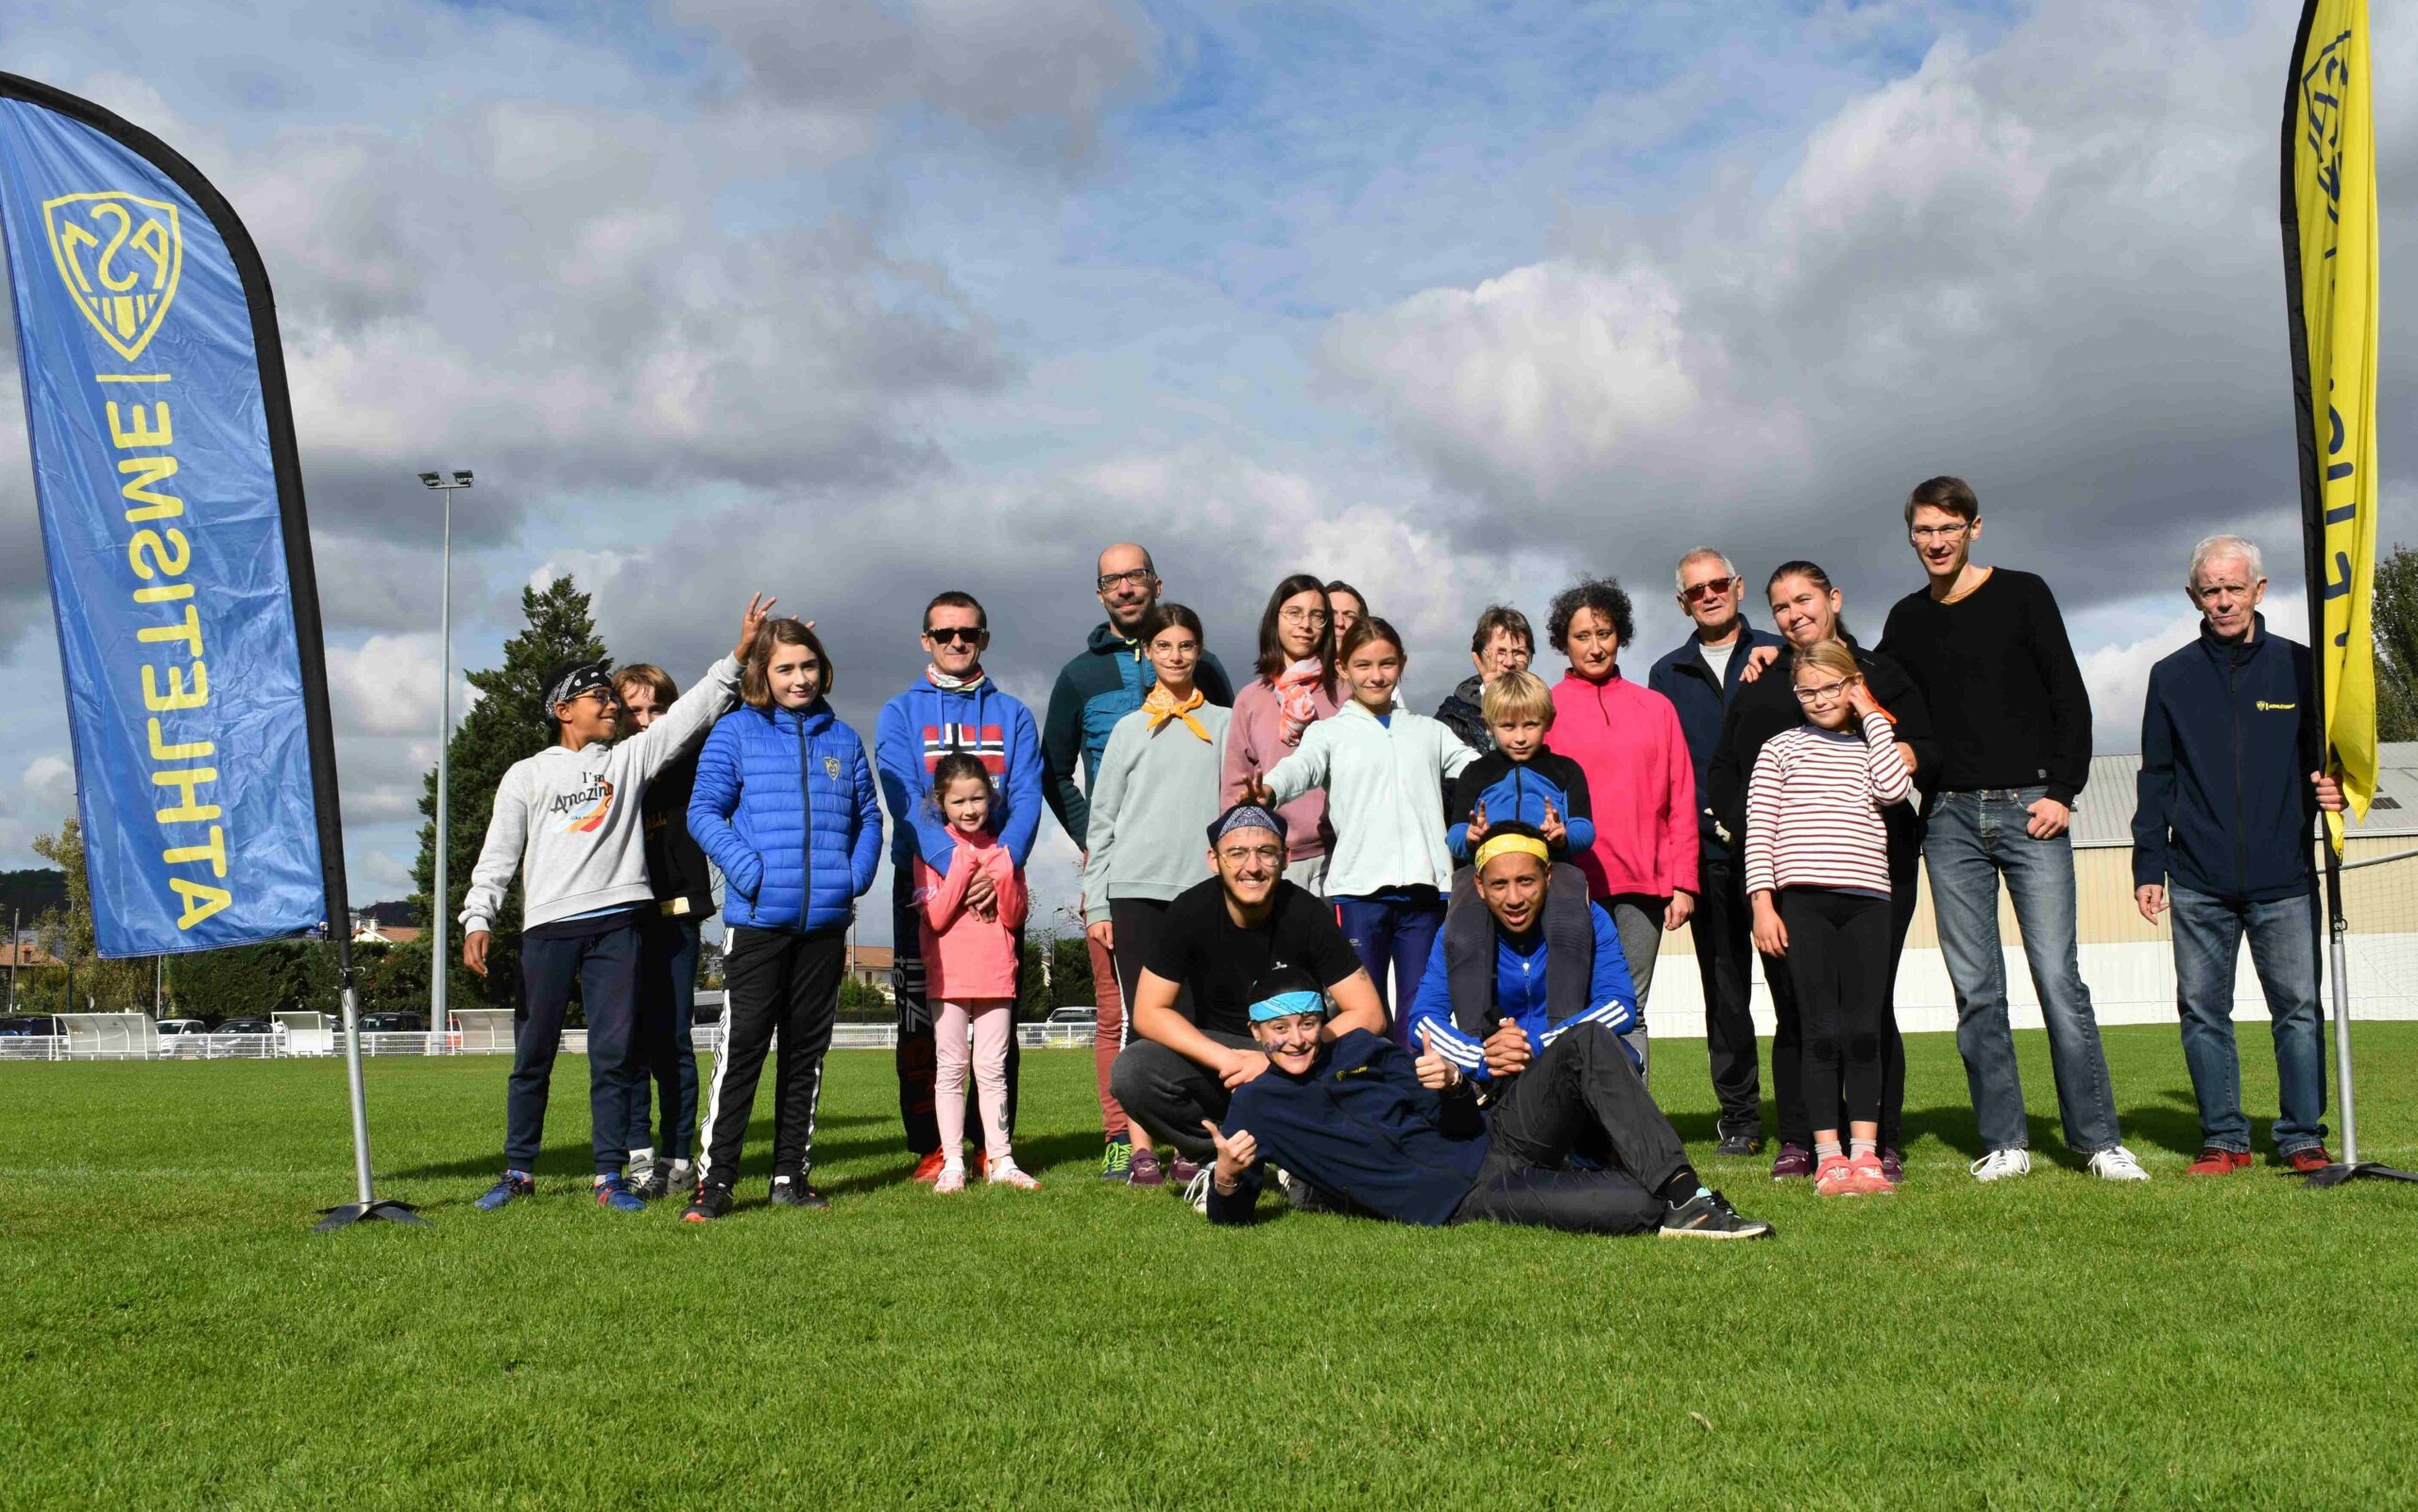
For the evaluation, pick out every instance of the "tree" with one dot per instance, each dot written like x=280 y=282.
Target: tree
x=507 y=722
x=1066 y=982
x=67 y=933
x=2393 y=616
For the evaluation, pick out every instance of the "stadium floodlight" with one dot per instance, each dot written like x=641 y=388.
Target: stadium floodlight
x=437 y=905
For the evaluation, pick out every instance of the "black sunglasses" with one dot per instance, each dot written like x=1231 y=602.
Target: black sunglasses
x=951 y=635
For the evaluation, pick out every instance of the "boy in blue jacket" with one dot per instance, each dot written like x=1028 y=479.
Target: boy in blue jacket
x=1522 y=779
x=953 y=707
x=1409 y=1140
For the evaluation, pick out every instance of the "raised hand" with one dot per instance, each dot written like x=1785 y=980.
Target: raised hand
x=1434 y=1073
x=1553 y=830
x=1237 y=1153
x=1477 y=825
x=1256 y=791
x=759 y=608
x=1757 y=659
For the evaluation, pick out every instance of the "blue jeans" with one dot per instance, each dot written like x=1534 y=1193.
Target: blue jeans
x=1974 y=838
x=667 y=1009
x=1393 y=938
x=2283 y=950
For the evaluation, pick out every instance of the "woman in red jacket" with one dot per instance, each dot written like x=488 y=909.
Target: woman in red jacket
x=1628 y=739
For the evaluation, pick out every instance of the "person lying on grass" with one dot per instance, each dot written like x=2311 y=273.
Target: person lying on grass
x=1408 y=1140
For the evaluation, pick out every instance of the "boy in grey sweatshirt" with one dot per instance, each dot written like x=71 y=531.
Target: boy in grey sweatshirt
x=570 y=821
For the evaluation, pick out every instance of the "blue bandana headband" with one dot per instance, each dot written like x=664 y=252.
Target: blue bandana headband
x=1246 y=816
x=1284 y=1005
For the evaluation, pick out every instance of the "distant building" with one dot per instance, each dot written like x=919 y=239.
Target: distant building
x=26 y=953
x=371 y=932
x=873 y=966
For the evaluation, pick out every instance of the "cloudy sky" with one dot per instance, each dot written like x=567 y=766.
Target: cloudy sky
x=854 y=301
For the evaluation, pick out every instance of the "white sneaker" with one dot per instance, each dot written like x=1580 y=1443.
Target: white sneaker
x=1007 y=1173
x=2001 y=1164
x=1197 y=1192
x=2117 y=1164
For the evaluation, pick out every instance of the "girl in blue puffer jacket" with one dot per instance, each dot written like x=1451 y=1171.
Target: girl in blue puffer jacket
x=785 y=804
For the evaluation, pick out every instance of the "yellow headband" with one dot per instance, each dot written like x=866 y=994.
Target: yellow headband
x=1494 y=845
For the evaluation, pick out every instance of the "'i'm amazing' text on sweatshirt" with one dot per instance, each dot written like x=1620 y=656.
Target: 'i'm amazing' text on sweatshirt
x=571 y=820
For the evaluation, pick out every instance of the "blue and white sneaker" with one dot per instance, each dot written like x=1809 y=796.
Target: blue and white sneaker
x=510 y=1186
x=614 y=1192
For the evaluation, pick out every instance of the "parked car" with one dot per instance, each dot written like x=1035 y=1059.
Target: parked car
x=1075 y=1015
x=32 y=1026
x=246 y=1026
x=182 y=1025
x=393 y=1024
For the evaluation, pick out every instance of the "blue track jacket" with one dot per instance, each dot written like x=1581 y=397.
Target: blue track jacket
x=2223 y=800
x=784 y=803
x=1519 y=996
x=1359 y=1124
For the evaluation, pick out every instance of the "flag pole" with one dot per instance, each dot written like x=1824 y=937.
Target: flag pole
x=2317 y=718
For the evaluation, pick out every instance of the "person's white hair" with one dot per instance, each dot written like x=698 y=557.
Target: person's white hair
x=2219 y=548
x=1679 y=573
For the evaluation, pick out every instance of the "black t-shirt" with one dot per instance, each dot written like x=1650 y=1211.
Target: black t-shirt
x=1201 y=947
x=2007 y=700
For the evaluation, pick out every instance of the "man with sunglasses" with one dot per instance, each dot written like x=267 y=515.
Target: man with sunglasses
x=1988 y=648
x=1107 y=680
x=953 y=707
x=1701 y=677
x=570 y=820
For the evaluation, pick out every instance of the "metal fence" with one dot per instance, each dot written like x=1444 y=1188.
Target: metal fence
x=287 y=1045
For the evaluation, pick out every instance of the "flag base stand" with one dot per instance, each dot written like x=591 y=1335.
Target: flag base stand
x=2337 y=1174
x=384 y=1209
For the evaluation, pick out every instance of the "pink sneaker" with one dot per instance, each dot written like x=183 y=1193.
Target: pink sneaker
x=1869 y=1177
x=1006 y=1172
x=1834 y=1176
x=951 y=1179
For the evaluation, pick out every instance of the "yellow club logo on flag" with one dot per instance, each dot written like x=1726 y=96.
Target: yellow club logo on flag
x=2329 y=216
x=121 y=255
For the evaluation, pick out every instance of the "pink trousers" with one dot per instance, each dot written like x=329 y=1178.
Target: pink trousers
x=991 y=1021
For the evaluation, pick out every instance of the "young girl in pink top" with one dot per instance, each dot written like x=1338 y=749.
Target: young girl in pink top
x=968 y=922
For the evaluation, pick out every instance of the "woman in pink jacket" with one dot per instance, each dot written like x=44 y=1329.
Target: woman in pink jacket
x=1295 y=689
x=1628 y=739
x=970 y=970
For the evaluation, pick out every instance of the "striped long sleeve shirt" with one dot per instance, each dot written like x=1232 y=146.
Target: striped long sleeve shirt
x=1813 y=808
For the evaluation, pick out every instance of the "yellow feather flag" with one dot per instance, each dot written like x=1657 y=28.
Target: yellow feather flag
x=2329 y=215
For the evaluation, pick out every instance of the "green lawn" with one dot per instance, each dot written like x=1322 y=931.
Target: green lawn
x=172 y=1334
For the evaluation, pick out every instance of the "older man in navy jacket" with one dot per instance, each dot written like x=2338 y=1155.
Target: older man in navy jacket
x=2222 y=841
x=1700 y=678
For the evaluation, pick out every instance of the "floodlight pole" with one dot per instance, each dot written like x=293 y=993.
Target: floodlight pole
x=439 y=900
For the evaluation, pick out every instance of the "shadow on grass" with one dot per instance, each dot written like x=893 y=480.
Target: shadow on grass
x=557 y=1156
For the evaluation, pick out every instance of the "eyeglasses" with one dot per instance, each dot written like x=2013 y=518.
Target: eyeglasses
x=1698 y=592
x=1924 y=535
x=1302 y=617
x=952 y=635
x=1138 y=577
x=1823 y=693
x=1264 y=855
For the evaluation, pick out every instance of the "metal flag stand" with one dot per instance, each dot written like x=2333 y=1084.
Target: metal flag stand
x=2350 y=1168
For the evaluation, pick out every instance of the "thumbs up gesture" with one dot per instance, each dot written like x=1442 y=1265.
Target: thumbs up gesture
x=1434 y=1073
x=1237 y=1153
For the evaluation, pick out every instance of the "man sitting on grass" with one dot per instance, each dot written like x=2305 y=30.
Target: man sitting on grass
x=1408 y=1140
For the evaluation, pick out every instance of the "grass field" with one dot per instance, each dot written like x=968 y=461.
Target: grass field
x=172 y=1334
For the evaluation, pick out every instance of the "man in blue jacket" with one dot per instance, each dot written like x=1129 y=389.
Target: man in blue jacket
x=1700 y=677
x=1411 y=1141
x=2221 y=840
x=953 y=707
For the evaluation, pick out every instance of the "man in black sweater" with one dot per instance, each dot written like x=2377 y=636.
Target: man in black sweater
x=2012 y=721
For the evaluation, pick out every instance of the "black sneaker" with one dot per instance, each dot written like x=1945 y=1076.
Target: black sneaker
x=711 y=1202
x=789 y=1191
x=1737 y=1145
x=1709 y=1216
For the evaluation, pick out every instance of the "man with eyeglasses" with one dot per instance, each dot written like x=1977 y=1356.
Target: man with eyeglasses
x=1191 y=1050
x=1700 y=677
x=2231 y=776
x=570 y=820
x=1987 y=646
x=1105 y=682
x=954 y=707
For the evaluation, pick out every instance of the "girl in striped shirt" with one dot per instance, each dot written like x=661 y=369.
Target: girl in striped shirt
x=1817 y=871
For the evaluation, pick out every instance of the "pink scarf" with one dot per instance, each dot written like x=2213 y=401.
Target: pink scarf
x=1297 y=704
